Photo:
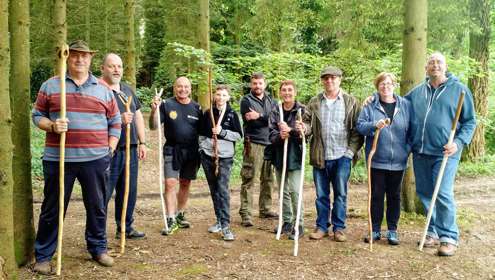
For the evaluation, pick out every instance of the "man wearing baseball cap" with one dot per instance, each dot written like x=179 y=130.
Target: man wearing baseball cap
x=92 y=127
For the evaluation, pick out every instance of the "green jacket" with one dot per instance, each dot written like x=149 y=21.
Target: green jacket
x=312 y=120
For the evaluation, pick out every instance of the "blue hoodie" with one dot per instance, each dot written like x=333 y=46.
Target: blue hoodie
x=432 y=121
x=392 y=147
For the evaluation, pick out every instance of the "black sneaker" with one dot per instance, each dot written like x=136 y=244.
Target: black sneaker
x=182 y=221
x=286 y=228
x=133 y=234
x=173 y=226
x=292 y=234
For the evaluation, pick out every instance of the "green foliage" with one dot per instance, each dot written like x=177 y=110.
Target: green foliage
x=37 y=148
x=39 y=73
x=483 y=167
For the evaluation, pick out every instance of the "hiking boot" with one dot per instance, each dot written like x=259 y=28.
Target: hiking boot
x=247 y=222
x=43 y=268
x=292 y=235
x=227 y=234
x=182 y=221
x=286 y=228
x=446 y=249
x=104 y=260
x=339 y=236
x=133 y=234
x=317 y=234
x=173 y=226
x=375 y=234
x=268 y=215
x=215 y=228
x=430 y=242
x=393 y=237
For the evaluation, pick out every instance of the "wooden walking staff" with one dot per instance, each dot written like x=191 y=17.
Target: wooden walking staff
x=63 y=54
x=441 y=171
x=160 y=160
x=301 y=184
x=370 y=157
x=212 y=117
x=127 y=177
x=282 y=178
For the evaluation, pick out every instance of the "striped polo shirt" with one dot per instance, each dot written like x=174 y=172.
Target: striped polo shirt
x=93 y=117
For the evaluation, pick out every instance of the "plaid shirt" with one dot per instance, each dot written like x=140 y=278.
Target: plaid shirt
x=334 y=131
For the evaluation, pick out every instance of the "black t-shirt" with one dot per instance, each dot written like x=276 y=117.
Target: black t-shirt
x=389 y=109
x=181 y=122
x=122 y=96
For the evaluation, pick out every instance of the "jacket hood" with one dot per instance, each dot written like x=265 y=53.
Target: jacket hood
x=451 y=78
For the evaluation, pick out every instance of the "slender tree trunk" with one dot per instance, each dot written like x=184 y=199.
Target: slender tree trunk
x=59 y=22
x=87 y=22
x=7 y=254
x=20 y=109
x=130 y=57
x=413 y=62
x=204 y=43
x=479 y=42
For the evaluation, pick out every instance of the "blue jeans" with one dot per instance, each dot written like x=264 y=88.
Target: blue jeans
x=117 y=182
x=336 y=172
x=443 y=223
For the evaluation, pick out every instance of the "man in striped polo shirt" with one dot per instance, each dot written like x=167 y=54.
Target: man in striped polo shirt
x=92 y=127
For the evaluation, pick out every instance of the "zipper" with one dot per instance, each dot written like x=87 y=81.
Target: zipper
x=426 y=117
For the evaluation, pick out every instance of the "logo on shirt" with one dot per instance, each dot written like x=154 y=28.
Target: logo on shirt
x=173 y=115
x=192 y=117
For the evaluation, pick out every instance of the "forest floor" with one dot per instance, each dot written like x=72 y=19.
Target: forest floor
x=255 y=254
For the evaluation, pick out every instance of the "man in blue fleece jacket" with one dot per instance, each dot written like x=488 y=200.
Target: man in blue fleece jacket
x=434 y=103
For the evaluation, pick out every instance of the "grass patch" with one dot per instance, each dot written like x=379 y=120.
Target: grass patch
x=192 y=270
x=483 y=167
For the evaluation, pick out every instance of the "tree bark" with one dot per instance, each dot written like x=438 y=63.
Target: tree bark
x=130 y=56
x=20 y=110
x=59 y=22
x=479 y=42
x=7 y=254
x=203 y=38
x=413 y=62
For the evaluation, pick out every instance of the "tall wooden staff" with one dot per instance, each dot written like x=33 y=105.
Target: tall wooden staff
x=63 y=54
x=370 y=156
x=127 y=173
x=441 y=171
x=212 y=117
x=301 y=183
x=282 y=179
x=160 y=160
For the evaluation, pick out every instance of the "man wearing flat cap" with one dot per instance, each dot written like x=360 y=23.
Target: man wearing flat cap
x=92 y=127
x=330 y=118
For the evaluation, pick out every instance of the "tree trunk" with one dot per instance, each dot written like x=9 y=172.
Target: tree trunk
x=203 y=38
x=87 y=22
x=7 y=254
x=130 y=56
x=59 y=22
x=20 y=109
x=413 y=62
x=479 y=42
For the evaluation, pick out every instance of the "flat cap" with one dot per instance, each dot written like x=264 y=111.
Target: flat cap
x=80 y=46
x=331 y=70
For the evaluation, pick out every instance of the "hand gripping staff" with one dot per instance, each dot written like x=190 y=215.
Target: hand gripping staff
x=370 y=157
x=282 y=179
x=213 y=124
x=160 y=160
x=63 y=54
x=127 y=173
x=441 y=171
x=301 y=184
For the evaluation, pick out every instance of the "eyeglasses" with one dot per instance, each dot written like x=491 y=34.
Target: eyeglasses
x=386 y=84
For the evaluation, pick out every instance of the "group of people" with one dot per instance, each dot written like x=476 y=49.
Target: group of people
x=335 y=123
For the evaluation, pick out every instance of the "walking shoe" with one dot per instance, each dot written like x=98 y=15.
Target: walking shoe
x=227 y=234
x=104 y=260
x=446 y=249
x=292 y=234
x=430 y=242
x=268 y=215
x=393 y=237
x=182 y=221
x=215 y=228
x=133 y=234
x=339 y=236
x=317 y=234
x=43 y=268
x=173 y=226
x=376 y=236
x=286 y=228
x=247 y=222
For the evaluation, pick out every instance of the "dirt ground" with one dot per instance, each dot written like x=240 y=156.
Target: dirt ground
x=255 y=254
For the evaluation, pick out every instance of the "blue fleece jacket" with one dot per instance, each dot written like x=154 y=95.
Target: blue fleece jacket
x=392 y=147
x=433 y=113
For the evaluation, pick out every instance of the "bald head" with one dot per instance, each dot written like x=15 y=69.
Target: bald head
x=111 y=69
x=182 y=89
x=436 y=66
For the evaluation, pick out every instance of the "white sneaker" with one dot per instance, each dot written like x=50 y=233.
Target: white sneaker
x=215 y=228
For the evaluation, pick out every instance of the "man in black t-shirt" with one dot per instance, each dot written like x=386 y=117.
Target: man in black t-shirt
x=180 y=117
x=112 y=70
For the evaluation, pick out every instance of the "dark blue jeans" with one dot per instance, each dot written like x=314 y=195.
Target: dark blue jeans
x=336 y=172
x=219 y=186
x=92 y=175
x=117 y=182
